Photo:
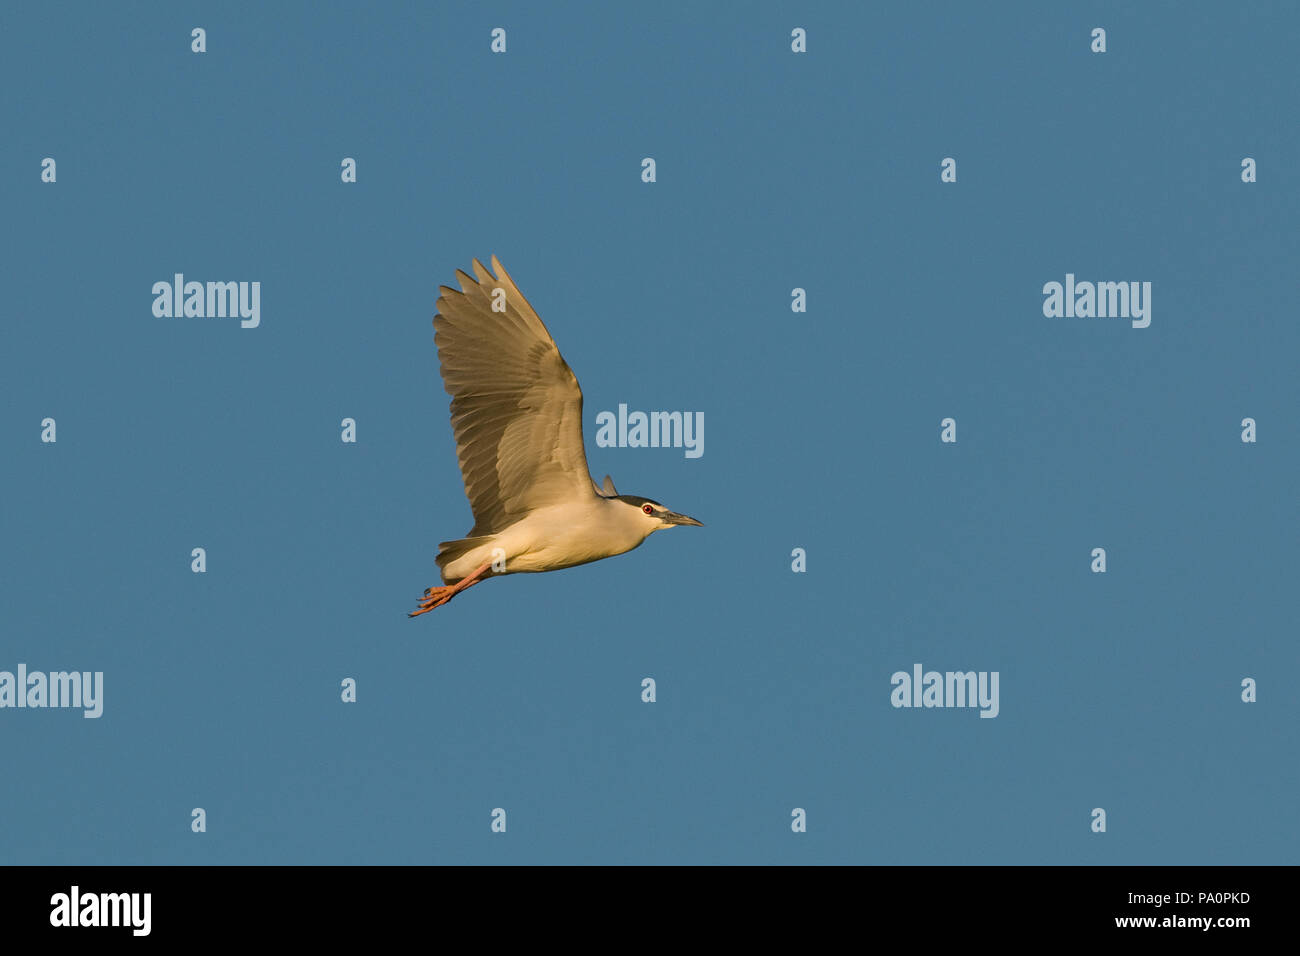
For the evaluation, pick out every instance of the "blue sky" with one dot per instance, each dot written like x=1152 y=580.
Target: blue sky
x=775 y=171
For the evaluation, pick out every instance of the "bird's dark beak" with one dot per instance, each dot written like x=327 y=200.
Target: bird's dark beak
x=672 y=517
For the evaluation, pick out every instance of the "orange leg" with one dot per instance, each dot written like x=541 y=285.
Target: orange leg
x=437 y=597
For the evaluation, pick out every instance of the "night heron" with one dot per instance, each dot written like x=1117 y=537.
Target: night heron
x=516 y=410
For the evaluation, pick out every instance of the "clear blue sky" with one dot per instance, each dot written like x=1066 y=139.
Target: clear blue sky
x=775 y=171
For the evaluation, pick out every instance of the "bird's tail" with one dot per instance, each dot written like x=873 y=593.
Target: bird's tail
x=451 y=551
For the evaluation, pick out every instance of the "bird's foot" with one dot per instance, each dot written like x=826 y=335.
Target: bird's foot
x=437 y=597
x=434 y=597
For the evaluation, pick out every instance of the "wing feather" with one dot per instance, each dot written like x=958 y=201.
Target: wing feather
x=516 y=407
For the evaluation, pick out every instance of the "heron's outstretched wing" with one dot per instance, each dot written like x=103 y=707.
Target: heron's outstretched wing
x=516 y=408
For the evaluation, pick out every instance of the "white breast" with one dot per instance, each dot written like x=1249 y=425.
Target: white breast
x=558 y=536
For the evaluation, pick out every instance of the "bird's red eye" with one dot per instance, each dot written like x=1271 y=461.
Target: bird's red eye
x=647 y=509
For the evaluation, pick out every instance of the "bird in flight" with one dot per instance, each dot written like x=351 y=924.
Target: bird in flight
x=516 y=411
